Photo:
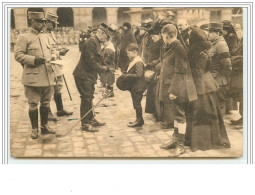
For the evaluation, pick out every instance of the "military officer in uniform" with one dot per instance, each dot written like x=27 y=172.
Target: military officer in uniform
x=86 y=73
x=58 y=72
x=33 y=51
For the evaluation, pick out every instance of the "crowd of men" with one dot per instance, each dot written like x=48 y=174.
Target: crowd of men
x=192 y=75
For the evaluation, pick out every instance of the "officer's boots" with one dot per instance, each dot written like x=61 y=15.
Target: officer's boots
x=45 y=129
x=33 y=115
x=60 y=110
x=52 y=117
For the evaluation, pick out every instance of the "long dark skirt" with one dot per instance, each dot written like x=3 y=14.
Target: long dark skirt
x=208 y=129
x=158 y=106
x=150 y=98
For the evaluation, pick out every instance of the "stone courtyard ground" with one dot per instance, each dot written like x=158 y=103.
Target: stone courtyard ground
x=113 y=140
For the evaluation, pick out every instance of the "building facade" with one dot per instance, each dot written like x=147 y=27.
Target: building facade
x=81 y=18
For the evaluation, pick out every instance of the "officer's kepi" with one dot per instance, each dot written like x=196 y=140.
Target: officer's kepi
x=36 y=16
x=52 y=17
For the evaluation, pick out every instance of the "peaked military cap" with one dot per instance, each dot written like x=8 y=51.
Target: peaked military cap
x=215 y=26
x=205 y=26
x=36 y=15
x=52 y=17
x=226 y=23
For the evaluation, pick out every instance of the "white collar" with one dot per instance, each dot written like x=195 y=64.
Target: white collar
x=134 y=61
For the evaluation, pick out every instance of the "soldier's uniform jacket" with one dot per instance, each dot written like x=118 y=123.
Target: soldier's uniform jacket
x=54 y=53
x=221 y=64
x=175 y=74
x=91 y=60
x=31 y=45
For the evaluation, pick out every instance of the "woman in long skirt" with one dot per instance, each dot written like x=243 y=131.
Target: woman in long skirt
x=208 y=129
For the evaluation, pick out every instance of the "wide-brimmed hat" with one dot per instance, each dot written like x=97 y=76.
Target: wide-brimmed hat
x=216 y=26
x=36 y=15
x=52 y=17
x=125 y=83
x=109 y=31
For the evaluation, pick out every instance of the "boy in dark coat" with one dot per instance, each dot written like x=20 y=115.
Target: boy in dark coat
x=135 y=71
x=176 y=85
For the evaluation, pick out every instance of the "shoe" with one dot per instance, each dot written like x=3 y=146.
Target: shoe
x=46 y=129
x=96 y=123
x=64 y=113
x=52 y=117
x=111 y=95
x=166 y=125
x=89 y=128
x=178 y=150
x=137 y=123
x=34 y=133
x=237 y=122
x=170 y=144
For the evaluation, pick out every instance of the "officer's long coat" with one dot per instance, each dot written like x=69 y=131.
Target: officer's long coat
x=27 y=47
x=175 y=75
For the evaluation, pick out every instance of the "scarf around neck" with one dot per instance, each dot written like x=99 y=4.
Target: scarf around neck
x=135 y=60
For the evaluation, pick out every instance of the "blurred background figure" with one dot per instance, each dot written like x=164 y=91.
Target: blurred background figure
x=128 y=38
x=184 y=28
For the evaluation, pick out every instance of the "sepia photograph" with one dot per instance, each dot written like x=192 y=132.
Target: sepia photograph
x=126 y=82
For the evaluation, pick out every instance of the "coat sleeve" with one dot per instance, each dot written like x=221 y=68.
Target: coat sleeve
x=21 y=51
x=233 y=43
x=181 y=64
x=90 y=51
x=139 y=71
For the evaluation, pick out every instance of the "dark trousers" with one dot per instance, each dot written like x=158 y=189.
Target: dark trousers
x=137 y=98
x=86 y=89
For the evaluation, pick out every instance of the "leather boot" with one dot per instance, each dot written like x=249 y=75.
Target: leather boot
x=59 y=103
x=52 y=117
x=33 y=115
x=45 y=129
x=180 y=146
x=173 y=142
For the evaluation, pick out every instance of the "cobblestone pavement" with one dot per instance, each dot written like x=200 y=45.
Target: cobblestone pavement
x=113 y=140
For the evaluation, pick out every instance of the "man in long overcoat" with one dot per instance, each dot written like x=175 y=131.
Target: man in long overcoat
x=176 y=84
x=86 y=73
x=33 y=51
